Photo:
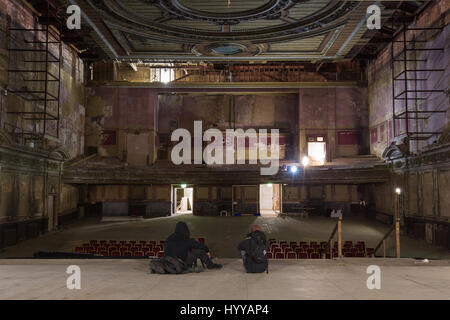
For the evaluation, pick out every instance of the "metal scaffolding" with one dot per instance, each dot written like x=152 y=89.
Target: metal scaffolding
x=410 y=74
x=36 y=75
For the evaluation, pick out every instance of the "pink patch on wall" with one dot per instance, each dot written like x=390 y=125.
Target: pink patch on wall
x=348 y=137
x=109 y=138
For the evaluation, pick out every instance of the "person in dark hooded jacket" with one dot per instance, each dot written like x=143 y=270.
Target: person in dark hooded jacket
x=180 y=245
x=253 y=251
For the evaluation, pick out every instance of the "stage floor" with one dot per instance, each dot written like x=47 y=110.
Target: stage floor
x=294 y=279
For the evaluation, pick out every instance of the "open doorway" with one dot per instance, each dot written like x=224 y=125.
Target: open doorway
x=269 y=199
x=183 y=199
x=317 y=150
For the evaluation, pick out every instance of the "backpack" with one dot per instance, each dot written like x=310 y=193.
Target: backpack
x=167 y=265
x=257 y=250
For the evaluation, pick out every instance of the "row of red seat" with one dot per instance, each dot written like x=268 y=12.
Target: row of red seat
x=315 y=249
x=133 y=248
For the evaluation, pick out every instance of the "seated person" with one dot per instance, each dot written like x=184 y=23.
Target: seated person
x=253 y=251
x=179 y=245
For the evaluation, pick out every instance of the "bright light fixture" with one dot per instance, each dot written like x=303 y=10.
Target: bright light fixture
x=305 y=161
x=269 y=184
x=183 y=186
x=398 y=191
x=294 y=169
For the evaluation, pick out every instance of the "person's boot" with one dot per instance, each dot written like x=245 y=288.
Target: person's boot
x=213 y=265
x=209 y=263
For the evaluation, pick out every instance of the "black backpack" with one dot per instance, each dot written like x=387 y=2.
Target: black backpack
x=257 y=249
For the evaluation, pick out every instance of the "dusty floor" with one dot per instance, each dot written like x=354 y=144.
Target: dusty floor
x=287 y=279
x=223 y=234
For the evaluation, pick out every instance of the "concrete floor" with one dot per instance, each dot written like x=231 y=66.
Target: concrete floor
x=223 y=234
x=288 y=279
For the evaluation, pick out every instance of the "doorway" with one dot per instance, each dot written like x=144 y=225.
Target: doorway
x=183 y=200
x=270 y=199
x=317 y=150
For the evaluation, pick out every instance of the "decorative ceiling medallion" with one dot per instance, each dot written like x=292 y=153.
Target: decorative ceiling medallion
x=224 y=49
x=182 y=9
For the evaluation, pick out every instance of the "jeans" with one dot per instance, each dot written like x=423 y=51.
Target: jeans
x=195 y=254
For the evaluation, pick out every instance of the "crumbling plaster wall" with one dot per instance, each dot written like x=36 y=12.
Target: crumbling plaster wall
x=26 y=183
x=120 y=123
x=425 y=208
x=380 y=84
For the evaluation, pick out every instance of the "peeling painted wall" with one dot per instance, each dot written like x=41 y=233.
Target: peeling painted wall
x=380 y=84
x=26 y=181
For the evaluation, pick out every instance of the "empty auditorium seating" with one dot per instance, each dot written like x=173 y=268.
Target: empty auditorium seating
x=125 y=248
x=284 y=249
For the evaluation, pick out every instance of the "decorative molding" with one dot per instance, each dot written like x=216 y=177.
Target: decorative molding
x=126 y=30
x=396 y=150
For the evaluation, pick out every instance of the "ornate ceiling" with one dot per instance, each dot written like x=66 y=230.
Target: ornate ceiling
x=232 y=30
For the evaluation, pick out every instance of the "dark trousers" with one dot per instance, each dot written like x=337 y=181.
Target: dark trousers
x=196 y=254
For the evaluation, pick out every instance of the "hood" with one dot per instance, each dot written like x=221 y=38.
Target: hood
x=182 y=229
x=258 y=235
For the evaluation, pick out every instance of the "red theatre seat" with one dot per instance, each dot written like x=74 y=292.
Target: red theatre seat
x=279 y=255
x=138 y=254
x=269 y=255
x=126 y=253
x=79 y=250
x=114 y=253
x=291 y=255
x=276 y=250
x=160 y=254
x=302 y=255
x=274 y=245
x=202 y=240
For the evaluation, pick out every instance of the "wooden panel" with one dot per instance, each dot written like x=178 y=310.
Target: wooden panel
x=202 y=193
x=412 y=195
x=427 y=189
x=444 y=187
x=162 y=193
